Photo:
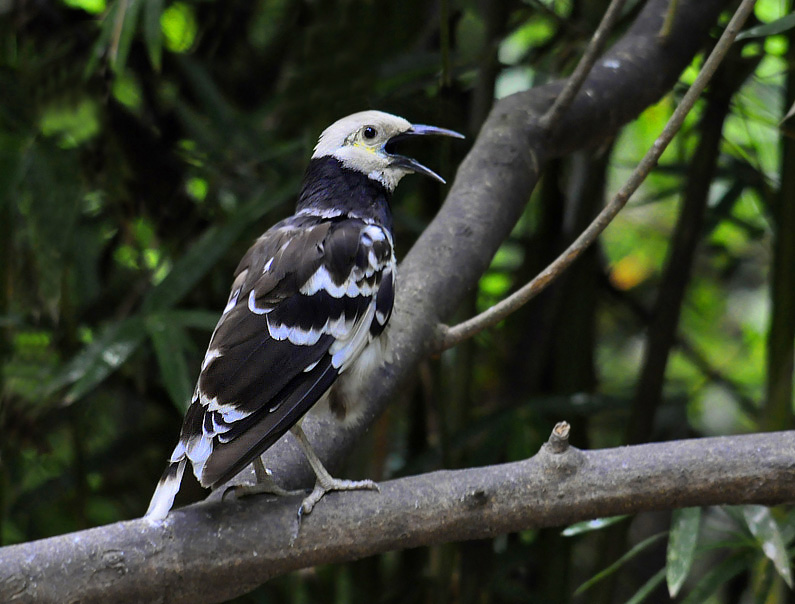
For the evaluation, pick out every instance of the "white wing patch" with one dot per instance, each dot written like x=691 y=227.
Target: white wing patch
x=252 y=304
x=209 y=357
x=232 y=301
x=344 y=350
x=295 y=335
x=321 y=281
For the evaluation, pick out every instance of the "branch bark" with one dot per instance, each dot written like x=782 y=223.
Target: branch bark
x=212 y=552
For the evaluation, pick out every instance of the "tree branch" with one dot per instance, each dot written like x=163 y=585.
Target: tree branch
x=575 y=81
x=209 y=552
x=450 y=336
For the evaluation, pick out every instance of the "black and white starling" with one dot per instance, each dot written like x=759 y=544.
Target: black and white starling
x=309 y=302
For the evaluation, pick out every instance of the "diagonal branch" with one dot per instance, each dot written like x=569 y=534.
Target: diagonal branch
x=210 y=552
x=574 y=82
x=450 y=336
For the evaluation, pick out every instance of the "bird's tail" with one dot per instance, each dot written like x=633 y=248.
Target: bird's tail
x=166 y=489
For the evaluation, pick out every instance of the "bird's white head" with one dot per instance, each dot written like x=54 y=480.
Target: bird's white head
x=365 y=142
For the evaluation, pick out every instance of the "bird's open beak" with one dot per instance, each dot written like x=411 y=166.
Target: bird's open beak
x=412 y=165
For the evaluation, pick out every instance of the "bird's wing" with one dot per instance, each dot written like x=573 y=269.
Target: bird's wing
x=307 y=299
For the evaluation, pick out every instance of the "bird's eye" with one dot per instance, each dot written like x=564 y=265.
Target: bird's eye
x=370 y=132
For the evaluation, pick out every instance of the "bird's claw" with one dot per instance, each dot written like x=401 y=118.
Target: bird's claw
x=335 y=484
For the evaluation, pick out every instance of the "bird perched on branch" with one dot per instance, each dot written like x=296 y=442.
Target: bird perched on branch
x=309 y=302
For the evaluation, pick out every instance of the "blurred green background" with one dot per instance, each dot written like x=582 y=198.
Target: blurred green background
x=144 y=144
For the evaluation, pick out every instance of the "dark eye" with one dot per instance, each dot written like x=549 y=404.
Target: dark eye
x=370 y=132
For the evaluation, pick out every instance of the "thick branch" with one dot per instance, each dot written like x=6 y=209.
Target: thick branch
x=211 y=552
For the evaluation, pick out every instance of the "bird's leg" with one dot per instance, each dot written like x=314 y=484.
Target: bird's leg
x=264 y=484
x=325 y=481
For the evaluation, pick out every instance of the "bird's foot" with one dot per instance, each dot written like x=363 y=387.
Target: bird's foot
x=332 y=484
x=244 y=490
x=265 y=484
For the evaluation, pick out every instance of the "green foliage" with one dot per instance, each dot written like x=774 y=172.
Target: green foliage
x=682 y=540
x=145 y=144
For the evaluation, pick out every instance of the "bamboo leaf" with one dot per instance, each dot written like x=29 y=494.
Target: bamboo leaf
x=153 y=33
x=124 y=29
x=100 y=47
x=682 y=539
x=170 y=341
x=648 y=587
x=717 y=577
x=767 y=533
x=619 y=563
x=591 y=525
x=99 y=359
x=778 y=26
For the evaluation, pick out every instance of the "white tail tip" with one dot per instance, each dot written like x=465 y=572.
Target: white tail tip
x=166 y=490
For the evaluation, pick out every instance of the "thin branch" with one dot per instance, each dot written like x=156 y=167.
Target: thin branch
x=573 y=84
x=210 y=552
x=450 y=336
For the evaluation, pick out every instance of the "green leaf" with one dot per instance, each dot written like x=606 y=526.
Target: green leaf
x=619 y=563
x=153 y=34
x=170 y=341
x=767 y=533
x=190 y=268
x=682 y=539
x=125 y=26
x=648 y=587
x=717 y=577
x=100 y=48
x=99 y=359
x=591 y=525
x=778 y=26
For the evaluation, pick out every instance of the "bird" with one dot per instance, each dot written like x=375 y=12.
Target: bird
x=309 y=303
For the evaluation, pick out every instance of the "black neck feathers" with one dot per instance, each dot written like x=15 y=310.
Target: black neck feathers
x=331 y=189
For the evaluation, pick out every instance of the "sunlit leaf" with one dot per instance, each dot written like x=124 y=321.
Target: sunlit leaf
x=682 y=539
x=591 y=525
x=72 y=124
x=179 y=26
x=99 y=359
x=767 y=533
x=619 y=563
x=93 y=7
